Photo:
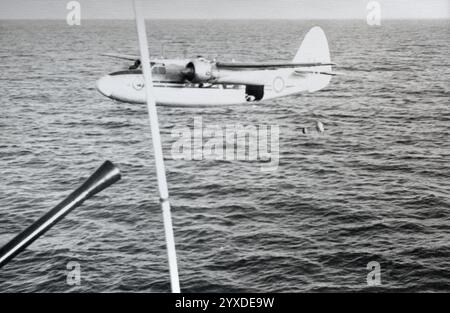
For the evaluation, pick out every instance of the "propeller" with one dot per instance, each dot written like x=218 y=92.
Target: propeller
x=200 y=70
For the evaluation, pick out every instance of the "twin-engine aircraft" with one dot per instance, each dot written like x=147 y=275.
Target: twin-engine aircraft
x=203 y=82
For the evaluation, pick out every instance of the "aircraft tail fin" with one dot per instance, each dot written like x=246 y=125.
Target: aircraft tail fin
x=314 y=48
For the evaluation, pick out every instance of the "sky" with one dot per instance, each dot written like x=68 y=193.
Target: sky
x=226 y=9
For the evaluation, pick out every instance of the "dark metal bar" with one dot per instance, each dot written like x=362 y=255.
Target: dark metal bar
x=104 y=176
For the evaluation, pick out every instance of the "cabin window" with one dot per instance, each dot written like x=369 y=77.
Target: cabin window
x=159 y=70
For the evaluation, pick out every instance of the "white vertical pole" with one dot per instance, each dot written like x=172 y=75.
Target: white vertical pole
x=159 y=161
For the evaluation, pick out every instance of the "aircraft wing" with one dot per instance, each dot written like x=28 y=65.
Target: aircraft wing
x=267 y=65
x=302 y=72
x=122 y=56
x=130 y=57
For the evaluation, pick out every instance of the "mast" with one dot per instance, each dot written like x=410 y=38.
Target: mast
x=156 y=138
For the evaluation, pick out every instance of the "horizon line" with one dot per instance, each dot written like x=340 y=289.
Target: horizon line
x=225 y=19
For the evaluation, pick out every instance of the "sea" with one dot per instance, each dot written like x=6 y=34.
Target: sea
x=362 y=206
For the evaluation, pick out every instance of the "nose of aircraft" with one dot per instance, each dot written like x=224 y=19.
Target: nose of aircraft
x=104 y=85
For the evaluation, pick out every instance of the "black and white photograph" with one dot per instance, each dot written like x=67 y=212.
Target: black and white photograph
x=236 y=148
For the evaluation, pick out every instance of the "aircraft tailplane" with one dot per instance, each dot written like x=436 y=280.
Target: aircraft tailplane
x=314 y=48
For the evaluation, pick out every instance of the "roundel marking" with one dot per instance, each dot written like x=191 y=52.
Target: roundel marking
x=138 y=85
x=278 y=84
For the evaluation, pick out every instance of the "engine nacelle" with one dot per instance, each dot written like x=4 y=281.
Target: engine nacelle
x=199 y=70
